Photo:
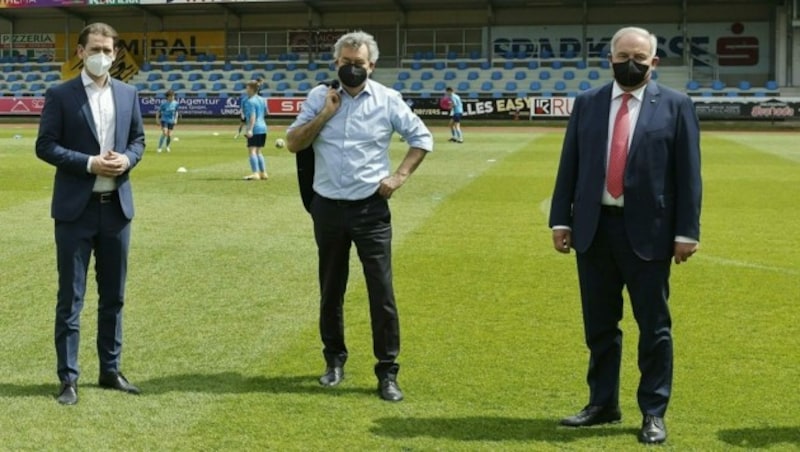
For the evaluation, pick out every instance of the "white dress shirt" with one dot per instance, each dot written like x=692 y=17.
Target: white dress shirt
x=101 y=102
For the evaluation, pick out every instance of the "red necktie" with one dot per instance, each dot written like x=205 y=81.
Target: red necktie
x=619 y=149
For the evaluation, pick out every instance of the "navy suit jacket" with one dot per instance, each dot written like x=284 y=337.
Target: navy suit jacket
x=662 y=182
x=67 y=138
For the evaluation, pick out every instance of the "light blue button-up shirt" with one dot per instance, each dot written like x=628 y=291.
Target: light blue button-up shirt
x=351 y=152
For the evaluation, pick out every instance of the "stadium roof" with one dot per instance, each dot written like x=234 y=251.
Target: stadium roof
x=239 y=8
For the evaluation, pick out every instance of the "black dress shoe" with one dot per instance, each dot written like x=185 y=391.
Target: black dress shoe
x=332 y=377
x=389 y=390
x=593 y=415
x=68 y=394
x=654 y=431
x=117 y=382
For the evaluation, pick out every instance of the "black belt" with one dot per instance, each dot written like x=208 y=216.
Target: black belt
x=104 y=197
x=615 y=211
x=350 y=203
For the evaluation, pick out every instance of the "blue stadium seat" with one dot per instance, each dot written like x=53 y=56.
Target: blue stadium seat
x=312 y=66
x=33 y=77
x=167 y=67
x=321 y=76
x=497 y=94
x=278 y=76
x=257 y=75
x=416 y=56
x=187 y=67
x=241 y=57
x=427 y=75
x=497 y=75
x=535 y=86
x=556 y=64
x=473 y=75
x=429 y=55
x=581 y=64
x=236 y=76
x=472 y=95
x=180 y=58
x=174 y=76
x=282 y=86
x=416 y=86
x=593 y=75
x=154 y=76
x=26 y=68
x=218 y=86
x=248 y=67
x=744 y=85
x=399 y=86
x=326 y=56
x=462 y=65
x=570 y=53
x=508 y=65
x=732 y=93
x=52 y=77
x=439 y=65
x=402 y=75
x=227 y=67
x=544 y=75
x=299 y=76
x=508 y=55
x=487 y=86
x=451 y=55
x=283 y=57
x=605 y=64
x=717 y=85
x=439 y=86
x=449 y=75
x=146 y=67
x=760 y=94
x=416 y=65
x=568 y=75
x=545 y=54
x=15 y=87
x=533 y=65
x=463 y=86
x=293 y=56
x=584 y=85
x=140 y=86
x=560 y=85
x=215 y=76
x=202 y=94
x=304 y=87
x=8 y=68
x=157 y=86
x=37 y=87
x=239 y=86
x=474 y=54
x=771 y=85
x=269 y=67
x=522 y=94
x=692 y=85
x=485 y=66
x=162 y=57
x=194 y=76
x=291 y=66
x=211 y=57
x=177 y=86
x=520 y=75
x=198 y=86
x=262 y=57
x=511 y=86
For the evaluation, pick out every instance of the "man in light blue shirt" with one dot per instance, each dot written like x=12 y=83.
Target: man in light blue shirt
x=456 y=112
x=350 y=128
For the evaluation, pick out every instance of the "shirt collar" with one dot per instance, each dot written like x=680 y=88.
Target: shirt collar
x=367 y=89
x=88 y=82
x=638 y=93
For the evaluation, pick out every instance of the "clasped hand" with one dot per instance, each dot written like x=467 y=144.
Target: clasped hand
x=111 y=164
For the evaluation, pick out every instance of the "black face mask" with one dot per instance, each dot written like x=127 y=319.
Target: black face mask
x=630 y=73
x=352 y=76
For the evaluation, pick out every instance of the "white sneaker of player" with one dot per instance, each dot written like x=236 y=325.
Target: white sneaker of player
x=167 y=148
x=158 y=150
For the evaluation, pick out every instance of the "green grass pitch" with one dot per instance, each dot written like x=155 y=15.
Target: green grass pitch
x=221 y=314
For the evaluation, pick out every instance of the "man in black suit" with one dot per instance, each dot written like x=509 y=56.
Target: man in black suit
x=91 y=131
x=627 y=199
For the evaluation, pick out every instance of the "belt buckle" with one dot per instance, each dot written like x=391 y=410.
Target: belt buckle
x=105 y=198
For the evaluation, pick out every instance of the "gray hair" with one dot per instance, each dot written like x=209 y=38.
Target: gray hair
x=639 y=31
x=355 y=40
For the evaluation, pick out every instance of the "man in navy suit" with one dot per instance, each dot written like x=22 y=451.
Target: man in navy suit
x=91 y=131
x=627 y=199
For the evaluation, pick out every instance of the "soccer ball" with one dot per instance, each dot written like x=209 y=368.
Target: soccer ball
x=279 y=143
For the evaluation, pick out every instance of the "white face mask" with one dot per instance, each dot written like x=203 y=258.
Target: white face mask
x=98 y=64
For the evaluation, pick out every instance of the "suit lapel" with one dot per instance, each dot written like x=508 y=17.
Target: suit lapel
x=118 y=118
x=646 y=110
x=604 y=110
x=83 y=101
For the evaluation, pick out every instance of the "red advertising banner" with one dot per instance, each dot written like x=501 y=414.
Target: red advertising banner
x=39 y=3
x=21 y=106
x=284 y=106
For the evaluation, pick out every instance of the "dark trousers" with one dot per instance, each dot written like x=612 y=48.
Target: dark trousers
x=603 y=270
x=367 y=224
x=103 y=228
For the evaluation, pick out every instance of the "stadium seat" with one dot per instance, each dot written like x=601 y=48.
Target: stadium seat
x=416 y=86
x=771 y=85
x=194 y=76
x=52 y=77
x=399 y=86
x=157 y=86
x=402 y=75
x=511 y=86
x=219 y=86
x=140 y=86
x=544 y=75
x=154 y=76
x=692 y=85
x=241 y=57
x=487 y=86
x=581 y=64
x=485 y=66
x=304 y=87
x=717 y=85
x=449 y=75
x=584 y=85
x=439 y=65
x=473 y=75
x=202 y=94
x=744 y=85
x=239 y=86
x=262 y=57
x=605 y=64
x=177 y=86
x=43 y=58
x=439 y=86
x=270 y=66
x=293 y=56
x=211 y=57
x=257 y=75
x=535 y=86
x=282 y=87
x=312 y=66
x=760 y=94
x=321 y=76
x=198 y=86
x=326 y=56
x=508 y=65
x=429 y=55
x=186 y=67
x=278 y=76
x=732 y=93
x=462 y=65
x=174 y=76
x=556 y=64
x=162 y=57
x=533 y=65
x=497 y=75
x=451 y=55
x=299 y=76
x=570 y=53
x=560 y=85
x=474 y=54
x=416 y=65
x=236 y=76
x=283 y=57
x=213 y=77
x=37 y=87
x=291 y=66
x=26 y=68
x=497 y=94
x=520 y=75
x=146 y=67
x=427 y=75
x=33 y=78
x=248 y=67
x=13 y=78
x=463 y=86
x=180 y=58
x=593 y=75
x=545 y=54
x=473 y=95
x=568 y=75
x=522 y=94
